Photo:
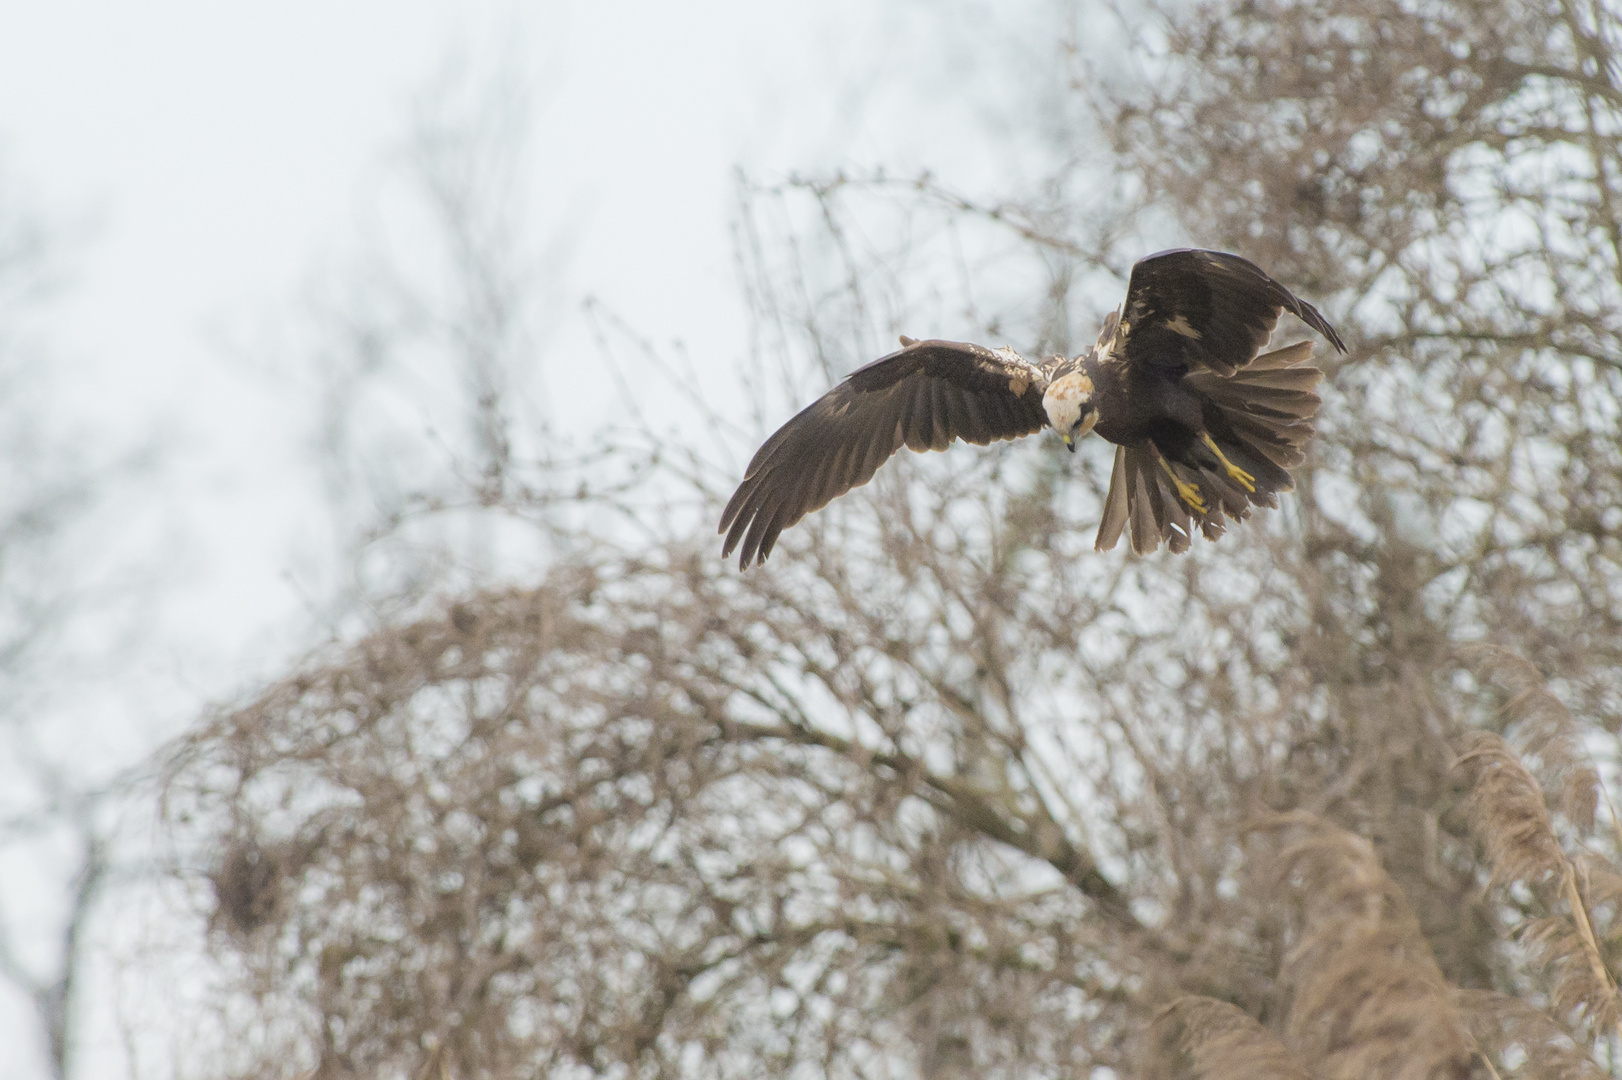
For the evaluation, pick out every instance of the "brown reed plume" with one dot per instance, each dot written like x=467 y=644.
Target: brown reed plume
x=1510 y=811
x=1200 y=1038
x=1366 y=996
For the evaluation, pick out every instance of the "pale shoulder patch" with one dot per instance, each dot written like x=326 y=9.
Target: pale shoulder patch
x=1180 y=325
x=1023 y=373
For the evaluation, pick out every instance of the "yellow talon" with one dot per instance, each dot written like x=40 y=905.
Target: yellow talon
x=1244 y=478
x=1189 y=493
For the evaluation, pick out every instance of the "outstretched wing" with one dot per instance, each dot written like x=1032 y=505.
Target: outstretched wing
x=1193 y=309
x=923 y=397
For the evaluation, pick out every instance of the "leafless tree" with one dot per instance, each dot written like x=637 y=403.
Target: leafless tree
x=940 y=792
x=57 y=807
x=429 y=428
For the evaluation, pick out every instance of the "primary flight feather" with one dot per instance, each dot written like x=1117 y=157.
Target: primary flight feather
x=1203 y=425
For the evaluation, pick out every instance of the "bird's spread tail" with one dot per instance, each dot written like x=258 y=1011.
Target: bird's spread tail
x=1159 y=500
x=1264 y=413
x=1258 y=424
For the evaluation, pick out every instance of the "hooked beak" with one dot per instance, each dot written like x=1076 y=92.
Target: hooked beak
x=1081 y=430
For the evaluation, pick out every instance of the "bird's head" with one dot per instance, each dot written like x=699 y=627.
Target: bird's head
x=1070 y=408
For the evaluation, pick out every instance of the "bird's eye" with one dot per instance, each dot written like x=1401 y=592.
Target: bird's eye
x=1085 y=421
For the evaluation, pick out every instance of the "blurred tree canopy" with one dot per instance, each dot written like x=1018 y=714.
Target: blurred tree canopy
x=70 y=605
x=940 y=792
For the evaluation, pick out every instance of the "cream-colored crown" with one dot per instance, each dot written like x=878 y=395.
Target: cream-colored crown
x=1064 y=399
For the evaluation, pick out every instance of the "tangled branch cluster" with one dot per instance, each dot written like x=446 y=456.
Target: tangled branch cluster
x=940 y=793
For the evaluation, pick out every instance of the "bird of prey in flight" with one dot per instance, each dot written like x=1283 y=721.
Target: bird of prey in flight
x=1203 y=426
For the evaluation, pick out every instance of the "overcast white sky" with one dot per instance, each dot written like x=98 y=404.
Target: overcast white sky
x=203 y=159
x=207 y=158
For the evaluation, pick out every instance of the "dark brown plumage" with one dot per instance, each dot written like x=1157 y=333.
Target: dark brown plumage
x=1204 y=427
x=922 y=397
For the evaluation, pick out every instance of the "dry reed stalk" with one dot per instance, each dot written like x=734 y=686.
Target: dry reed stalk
x=1508 y=810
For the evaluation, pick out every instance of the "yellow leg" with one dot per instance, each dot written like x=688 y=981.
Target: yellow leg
x=1244 y=478
x=1189 y=493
